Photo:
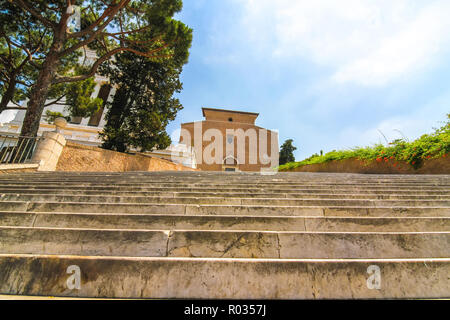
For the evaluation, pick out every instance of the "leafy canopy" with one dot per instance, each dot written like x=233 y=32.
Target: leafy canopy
x=40 y=53
x=287 y=152
x=144 y=104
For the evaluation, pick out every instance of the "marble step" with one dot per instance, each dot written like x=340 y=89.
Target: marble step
x=223 y=222
x=279 y=202
x=223 y=278
x=380 y=196
x=193 y=209
x=229 y=184
x=223 y=244
x=50 y=189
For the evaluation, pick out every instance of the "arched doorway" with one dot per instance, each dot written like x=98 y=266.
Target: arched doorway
x=230 y=163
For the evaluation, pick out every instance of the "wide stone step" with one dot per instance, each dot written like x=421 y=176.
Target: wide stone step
x=244 y=183
x=278 y=176
x=219 y=278
x=7 y=194
x=104 y=191
x=222 y=201
x=413 y=186
x=182 y=185
x=219 y=244
x=136 y=191
x=224 y=209
x=220 y=235
x=198 y=222
x=223 y=180
x=220 y=174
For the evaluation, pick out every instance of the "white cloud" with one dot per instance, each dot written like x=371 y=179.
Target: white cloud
x=363 y=41
x=410 y=126
x=7 y=116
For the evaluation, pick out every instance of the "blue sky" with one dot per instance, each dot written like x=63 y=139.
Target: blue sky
x=328 y=74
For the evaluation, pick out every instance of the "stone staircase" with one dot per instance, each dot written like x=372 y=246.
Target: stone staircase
x=225 y=235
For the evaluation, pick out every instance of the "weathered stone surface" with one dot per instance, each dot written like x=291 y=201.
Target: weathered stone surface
x=363 y=245
x=48 y=150
x=83 y=242
x=168 y=222
x=253 y=210
x=223 y=278
x=104 y=208
x=377 y=224
x=220 y=222
x=77 y=157
x=219 y=235
x=387 y=212
x=223 y=244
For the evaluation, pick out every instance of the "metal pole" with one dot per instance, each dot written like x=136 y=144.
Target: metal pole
x=18 y=150
x=22 y=159
x=30 y=152
x=6 y=154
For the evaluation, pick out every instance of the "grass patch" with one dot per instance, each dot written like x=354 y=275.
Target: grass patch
x=428 y=146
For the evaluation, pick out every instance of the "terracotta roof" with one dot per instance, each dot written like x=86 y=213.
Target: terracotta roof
x=234 y=111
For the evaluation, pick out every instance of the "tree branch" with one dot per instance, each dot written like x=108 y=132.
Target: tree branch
x=34 y=64
x=34 y=13
x=24 y=83
x=109 y=12
x=55 y=101
x=15 y=108
x=94 y=34
x=106 y=57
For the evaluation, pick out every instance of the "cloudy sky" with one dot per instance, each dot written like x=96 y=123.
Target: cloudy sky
x=329 y=74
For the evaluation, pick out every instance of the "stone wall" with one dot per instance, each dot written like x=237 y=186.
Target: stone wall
x=18 y=167
x=432 y=166
x=49 y=150
x=77 y=157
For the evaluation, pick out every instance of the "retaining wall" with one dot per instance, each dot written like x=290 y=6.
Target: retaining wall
x=78 y=157
x=432 y=166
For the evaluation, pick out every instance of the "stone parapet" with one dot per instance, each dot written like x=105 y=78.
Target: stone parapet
x=49 y=150
x=77 y=157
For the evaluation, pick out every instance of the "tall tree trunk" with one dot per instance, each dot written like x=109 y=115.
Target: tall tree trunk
x=38 y=96
x=41 y=87
x=8 y=95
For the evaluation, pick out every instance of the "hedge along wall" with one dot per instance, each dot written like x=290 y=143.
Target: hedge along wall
x=431 y=166
x=78 y=157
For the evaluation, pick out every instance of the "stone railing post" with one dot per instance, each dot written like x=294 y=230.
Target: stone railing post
x=50 y=147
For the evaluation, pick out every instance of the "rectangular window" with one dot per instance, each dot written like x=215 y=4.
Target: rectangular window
x=94 y=120
x=75 y=120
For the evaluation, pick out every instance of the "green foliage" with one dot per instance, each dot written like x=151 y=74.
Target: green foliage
x=428 y=146
x=78 y=98
x=50 y=116
x=287 y=152
x=144 y=104
x=39 y=51
x=24 y=43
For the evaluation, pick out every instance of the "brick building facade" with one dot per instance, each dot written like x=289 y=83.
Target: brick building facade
x=229 y=140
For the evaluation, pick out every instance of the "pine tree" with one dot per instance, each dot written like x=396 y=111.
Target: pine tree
x=143 y=104
x=287 y=152
x=39 y=51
